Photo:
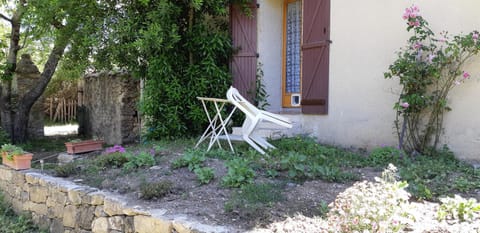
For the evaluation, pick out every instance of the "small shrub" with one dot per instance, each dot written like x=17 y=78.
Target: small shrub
x=204 y=174
x=115 y=149
x=458 y=208
x=65 y=170
x=160 y=189
x=192 y=159
x=113 y=159
x=239 y=173
x=371 y=206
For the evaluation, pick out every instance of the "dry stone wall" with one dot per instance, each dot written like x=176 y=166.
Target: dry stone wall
x=63 y=206
x=110 y=101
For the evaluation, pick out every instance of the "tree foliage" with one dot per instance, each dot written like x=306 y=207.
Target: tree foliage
x=180 y=49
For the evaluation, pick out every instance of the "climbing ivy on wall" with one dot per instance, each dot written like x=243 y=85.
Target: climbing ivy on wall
x=180 y=48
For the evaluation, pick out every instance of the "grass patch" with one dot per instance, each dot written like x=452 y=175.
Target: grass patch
x=253 y=199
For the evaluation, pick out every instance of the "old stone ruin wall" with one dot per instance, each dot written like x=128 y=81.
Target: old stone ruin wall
x=25 y=78
x=63 y=206
x=110 y=107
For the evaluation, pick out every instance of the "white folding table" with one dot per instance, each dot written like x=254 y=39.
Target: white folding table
x=218 y=121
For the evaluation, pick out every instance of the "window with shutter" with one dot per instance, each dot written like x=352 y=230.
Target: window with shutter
x=306 y=55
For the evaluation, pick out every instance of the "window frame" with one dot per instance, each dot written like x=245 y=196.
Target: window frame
x=287 y=97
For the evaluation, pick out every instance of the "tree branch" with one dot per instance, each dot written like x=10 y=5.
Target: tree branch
x=5 y=17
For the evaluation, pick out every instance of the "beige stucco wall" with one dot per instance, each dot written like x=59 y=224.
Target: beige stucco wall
x=366 y=34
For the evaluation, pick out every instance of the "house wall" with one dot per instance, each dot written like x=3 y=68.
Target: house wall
x=366 y=35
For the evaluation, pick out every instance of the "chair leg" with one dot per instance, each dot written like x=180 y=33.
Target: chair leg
x=262 y=142
x=253 y=144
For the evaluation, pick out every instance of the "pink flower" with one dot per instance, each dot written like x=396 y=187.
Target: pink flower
x=475 y=37
x=431 y=57
x=417 y=45
x=404 y=105
x=411 y=13
x=466 y=75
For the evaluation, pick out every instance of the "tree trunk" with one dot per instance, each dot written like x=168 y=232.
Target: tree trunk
x=6 y=113
x=20 y=124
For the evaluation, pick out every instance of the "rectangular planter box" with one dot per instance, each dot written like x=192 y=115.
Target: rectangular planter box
x=84 y=146
x=19 y=162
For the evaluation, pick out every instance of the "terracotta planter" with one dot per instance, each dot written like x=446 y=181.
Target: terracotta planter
x=19 y=162
x=84 y=146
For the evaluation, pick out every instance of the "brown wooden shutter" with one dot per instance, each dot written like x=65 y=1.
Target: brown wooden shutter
x=244 y=38
x=315 y=56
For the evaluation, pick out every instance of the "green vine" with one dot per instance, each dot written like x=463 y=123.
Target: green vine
x=428 y=68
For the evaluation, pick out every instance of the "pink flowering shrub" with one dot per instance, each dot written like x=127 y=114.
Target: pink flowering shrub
x=427 y=68
x=379 y=206
x=116 y=148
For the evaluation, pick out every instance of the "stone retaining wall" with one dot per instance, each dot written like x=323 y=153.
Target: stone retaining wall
x=110 y=101
x=63 y=206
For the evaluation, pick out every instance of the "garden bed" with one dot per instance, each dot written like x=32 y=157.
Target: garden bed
x=288 y=189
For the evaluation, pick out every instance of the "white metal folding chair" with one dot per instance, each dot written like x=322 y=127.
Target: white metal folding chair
x=253 y=116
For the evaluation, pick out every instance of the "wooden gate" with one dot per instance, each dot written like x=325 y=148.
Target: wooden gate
x=61 y=109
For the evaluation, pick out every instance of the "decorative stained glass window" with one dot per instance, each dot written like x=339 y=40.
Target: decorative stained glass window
x=293 y=34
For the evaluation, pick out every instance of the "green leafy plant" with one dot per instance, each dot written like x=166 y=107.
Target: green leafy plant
x=428 y=68
x=239 y=173
x=382 y=156
x=4 y=138
x=204 y=174
x=191 y=158
x=458 y=208
x=135 y=161
x=11 y=150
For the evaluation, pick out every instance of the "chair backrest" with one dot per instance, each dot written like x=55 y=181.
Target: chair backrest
x=241 y=103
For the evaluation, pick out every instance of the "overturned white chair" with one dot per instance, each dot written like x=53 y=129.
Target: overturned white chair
x=253 y=116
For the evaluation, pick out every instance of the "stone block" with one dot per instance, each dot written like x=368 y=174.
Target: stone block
x=24 y=196
x=56 y=211
x=31 y=178
x=56 y=226
x=38 y=194
x=18 y=179
x=145 y=224
x=96 y=198
x=42 y=221
x=5 y=174
x=116 y=223
x=113 y=207
x=40 y=209
x=99 y=211
x=100 y=225
x=129 y=227
x=59 y=198
x=64 y=158
x=70 y=215
x=75 y=196
x=85 y=217
x=180 y=228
